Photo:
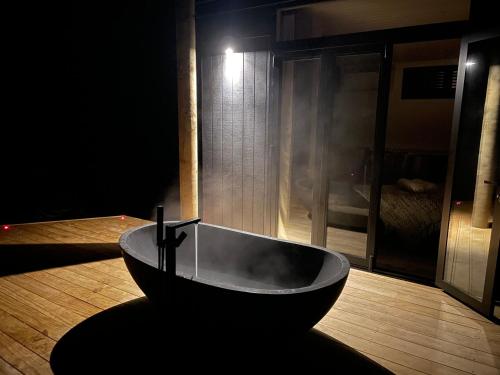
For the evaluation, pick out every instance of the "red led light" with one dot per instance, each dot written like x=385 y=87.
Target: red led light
x=5 y=227
x=122 y=217
x=458 y=203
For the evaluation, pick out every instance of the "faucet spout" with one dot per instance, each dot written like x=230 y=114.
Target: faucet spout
x=183 y=223
x=167 y=243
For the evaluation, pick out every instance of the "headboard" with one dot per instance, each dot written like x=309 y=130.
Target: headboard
x=430 y=166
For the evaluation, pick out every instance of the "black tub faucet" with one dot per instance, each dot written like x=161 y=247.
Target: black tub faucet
x=168 y=244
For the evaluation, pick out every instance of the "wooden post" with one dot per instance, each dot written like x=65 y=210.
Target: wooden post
x=187 y=106
x=285 y=181
x=486 y=166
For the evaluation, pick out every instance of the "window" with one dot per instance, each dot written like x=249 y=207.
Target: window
x=429 y=82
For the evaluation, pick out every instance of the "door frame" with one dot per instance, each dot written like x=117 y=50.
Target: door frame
x=485 y=306
x=320 y=191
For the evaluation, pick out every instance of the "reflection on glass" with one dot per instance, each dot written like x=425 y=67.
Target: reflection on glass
x=350 y=152
x=419 y=119
x=350 y=143
x=476 y=174
x=298 y=115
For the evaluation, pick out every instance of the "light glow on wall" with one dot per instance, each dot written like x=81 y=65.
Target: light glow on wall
x=232 y=65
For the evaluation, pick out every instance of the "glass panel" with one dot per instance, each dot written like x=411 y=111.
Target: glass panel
x=476 y=172
x=299 y=98
x=416 y=157
x=350 y=152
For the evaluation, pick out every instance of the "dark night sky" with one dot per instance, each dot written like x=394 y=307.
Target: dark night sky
x=90 y=116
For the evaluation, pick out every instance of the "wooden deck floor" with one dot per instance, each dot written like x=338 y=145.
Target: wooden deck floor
x=467 y=252
x=406 y=327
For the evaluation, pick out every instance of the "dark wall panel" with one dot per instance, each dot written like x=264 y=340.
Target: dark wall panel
x=206 y=139
x=259 y=141
x=248 y=137
x=236 y=157
x=215 y=95
x=238 y=143
x=227 y=142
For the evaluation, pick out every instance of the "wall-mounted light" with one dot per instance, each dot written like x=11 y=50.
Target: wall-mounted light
x=233 y=65
x=470 y=63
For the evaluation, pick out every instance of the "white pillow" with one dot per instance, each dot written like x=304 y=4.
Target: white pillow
x=416 y=185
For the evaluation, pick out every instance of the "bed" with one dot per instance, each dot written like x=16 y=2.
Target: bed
x=412 y=216
x=410 y=206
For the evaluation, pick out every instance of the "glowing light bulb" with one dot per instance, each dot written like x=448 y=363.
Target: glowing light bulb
x=233 y=65
x=5 y=227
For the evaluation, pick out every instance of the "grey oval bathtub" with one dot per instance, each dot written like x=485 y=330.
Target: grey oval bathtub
x=239 y=280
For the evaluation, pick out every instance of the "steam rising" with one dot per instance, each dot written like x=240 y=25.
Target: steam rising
x=232 y=258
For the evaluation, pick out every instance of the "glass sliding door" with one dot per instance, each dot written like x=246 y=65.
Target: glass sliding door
x=419 y=122
x=469 y=249
x=299 y=99
x=350 y=152
x=329 y=107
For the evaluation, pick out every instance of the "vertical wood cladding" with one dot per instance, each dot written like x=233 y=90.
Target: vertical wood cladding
x=238 y=133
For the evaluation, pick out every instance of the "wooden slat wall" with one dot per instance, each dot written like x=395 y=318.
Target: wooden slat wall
x=206 y=138
x=248 y=134
x=216 y=181
x=238 y=131
x=273 y=150
x=259 y=142
x=237 y=157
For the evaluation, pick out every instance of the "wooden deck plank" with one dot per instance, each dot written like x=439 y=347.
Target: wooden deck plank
x=95 y=230
x=467 y=252
x=39 y=303
x=400 y=295
x=383 y=351
x=437 y=324
x=25 y=335
x=48 y=326
x=92 y=285
x=416 y=293
x=406 y=327
x=72 y=289
x=408 y=347
x=22 y=358
x=102 y=266
x=422 y=310
x=394 y=367
x=107 y=279
x=443 y=334
x=116 y=262
x=7 y=369
x=56 y=296
x=417 y=338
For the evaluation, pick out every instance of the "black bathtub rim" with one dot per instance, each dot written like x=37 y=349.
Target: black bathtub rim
x=341 y=274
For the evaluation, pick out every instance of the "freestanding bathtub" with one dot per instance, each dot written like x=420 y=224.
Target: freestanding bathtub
x=239 y=281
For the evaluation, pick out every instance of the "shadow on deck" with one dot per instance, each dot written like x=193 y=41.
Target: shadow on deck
x=132 y=338
x=22 y=258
